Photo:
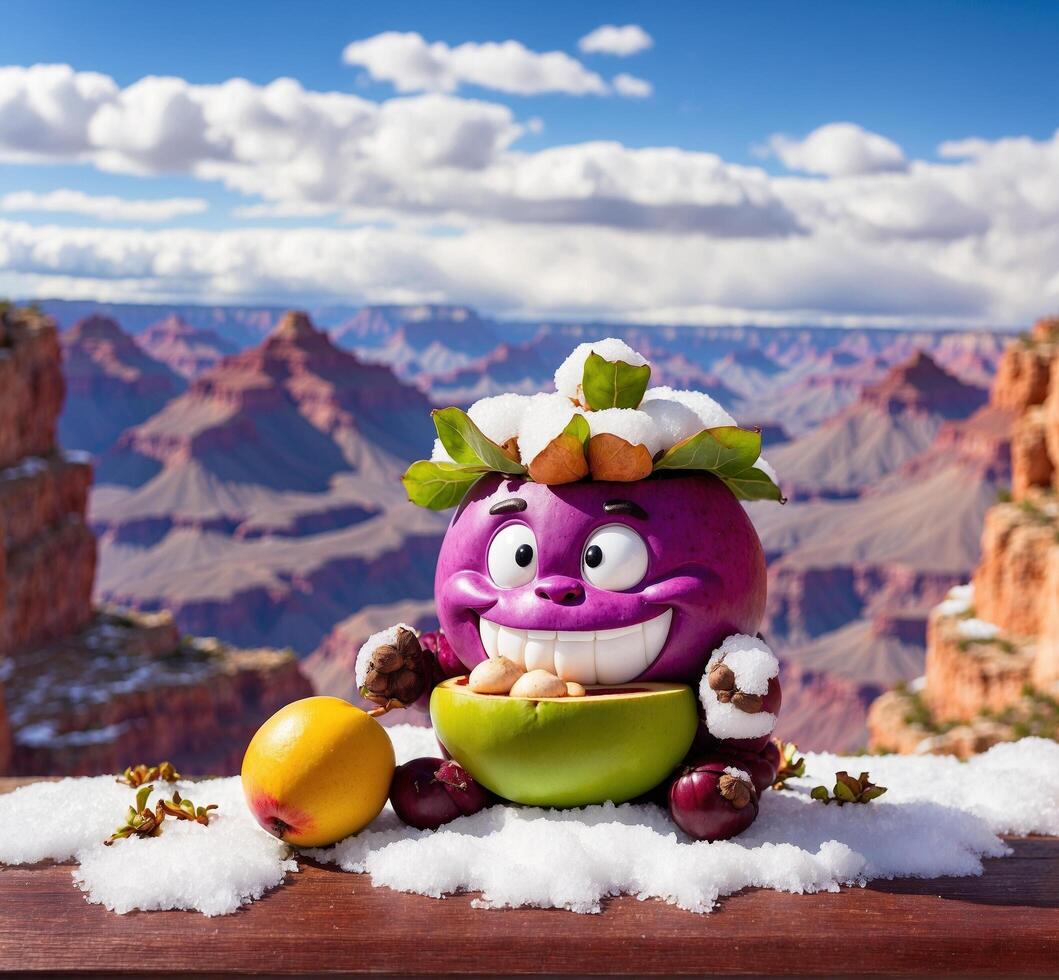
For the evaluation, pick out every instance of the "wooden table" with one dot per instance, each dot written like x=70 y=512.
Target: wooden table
x=326 y=921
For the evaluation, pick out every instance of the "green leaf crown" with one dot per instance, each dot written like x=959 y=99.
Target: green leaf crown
x=728 y=452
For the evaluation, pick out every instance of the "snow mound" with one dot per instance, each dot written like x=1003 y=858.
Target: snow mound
x=709 y=412
x=635 y=427
x=940 y=817
x=572 y=370
x=499 y=417
x=544 y=418
x=213 y=870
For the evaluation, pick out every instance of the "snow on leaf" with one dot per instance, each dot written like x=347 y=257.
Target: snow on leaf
x=754 y=484
x=725 y=450
x=563 y=459
x=613 y=384
x=468 y=445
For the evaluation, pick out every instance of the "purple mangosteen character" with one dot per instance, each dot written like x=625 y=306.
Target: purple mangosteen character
x=604 y=583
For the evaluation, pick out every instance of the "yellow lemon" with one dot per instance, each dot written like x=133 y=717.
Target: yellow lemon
x=317 y=771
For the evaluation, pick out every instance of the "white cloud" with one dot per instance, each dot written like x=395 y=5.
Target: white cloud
x=45 y=110
x=105 y=207
x=540 y=271
x=412 y=64
x=621 y=41
x=632 y=87
x=839 y=149
x=594 y=229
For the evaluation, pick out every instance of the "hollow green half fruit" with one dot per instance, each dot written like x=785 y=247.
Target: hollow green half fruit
x=567 y=751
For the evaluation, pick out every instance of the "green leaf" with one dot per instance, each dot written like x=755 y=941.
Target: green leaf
x=872 y=793
x=844 y=793
x=468 y=445
x=578 y=427
x=754 y=484
x=613 y=384
x=438 y=486
x=725 y=450
x=141 y=796
x=730 y=453
x=819 y=793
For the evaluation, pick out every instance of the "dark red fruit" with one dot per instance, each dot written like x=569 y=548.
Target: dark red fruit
x=708 y=804
x=772 y=753
x=426 y=793
x=754 y=764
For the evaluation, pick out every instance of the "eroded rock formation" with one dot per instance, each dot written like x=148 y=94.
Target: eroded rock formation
x=90 y=690
x=992 y=668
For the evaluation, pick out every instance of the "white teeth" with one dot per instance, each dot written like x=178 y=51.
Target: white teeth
x=588 y=657
x=656 y=632
x=575 y=657
x=510 y=644
x=489 y=632
x=622 y=656
x=540 y=649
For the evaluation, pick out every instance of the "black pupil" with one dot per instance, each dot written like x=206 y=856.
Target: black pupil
x=594 y=556
x=523 y=555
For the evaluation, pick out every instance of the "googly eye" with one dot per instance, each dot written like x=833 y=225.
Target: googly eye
x=512 y=558
x=615 y=558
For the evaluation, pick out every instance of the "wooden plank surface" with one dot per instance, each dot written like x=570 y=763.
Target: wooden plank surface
x=327 y=921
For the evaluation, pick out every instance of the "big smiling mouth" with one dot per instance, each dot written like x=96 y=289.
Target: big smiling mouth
x=587 y=656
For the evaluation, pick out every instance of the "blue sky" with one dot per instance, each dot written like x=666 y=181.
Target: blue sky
x=725 y=80
x=725 y=75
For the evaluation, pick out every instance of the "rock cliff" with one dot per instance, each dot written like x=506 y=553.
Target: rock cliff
x=992 y=667
x=89 y=690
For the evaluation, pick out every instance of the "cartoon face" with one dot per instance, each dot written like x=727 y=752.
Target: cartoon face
x=601 y=583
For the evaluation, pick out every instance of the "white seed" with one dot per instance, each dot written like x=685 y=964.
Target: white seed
x=539 y=684
x=574 y=690
x=494 y=676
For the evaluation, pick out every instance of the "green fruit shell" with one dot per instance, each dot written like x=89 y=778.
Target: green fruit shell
x=567 y=752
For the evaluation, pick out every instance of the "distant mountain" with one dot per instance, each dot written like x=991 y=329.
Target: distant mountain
x=892 y=422
x=747 y=371
x=266 y=501
x=189 y=351
x=111 y=384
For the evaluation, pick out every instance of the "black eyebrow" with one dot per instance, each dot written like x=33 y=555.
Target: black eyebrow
x=513 y=505
x=625 y=507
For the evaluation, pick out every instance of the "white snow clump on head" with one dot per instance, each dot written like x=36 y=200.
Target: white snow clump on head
x=498 y=416
x=544 y=418
x=572 y=370
x=709 y=412
x=386 y=637
x=635 y=427
x=674 y=421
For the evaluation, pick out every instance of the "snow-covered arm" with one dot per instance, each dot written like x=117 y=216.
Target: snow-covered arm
x=397 y=667
x=740 y=691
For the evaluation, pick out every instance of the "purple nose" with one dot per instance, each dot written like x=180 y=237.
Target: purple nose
x=565 y=591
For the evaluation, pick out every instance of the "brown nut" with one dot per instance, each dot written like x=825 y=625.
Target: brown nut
x=538 y=684
x=494 y=676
